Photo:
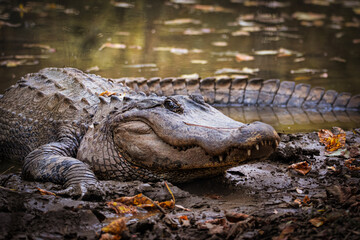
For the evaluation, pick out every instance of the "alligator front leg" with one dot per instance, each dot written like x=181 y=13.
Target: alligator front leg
x=53 y=163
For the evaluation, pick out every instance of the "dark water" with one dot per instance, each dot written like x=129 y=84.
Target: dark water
x=171 y=39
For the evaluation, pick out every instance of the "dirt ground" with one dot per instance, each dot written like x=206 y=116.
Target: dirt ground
x=254 y=201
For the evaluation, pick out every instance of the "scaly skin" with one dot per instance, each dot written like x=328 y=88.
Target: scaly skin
x=56 y=123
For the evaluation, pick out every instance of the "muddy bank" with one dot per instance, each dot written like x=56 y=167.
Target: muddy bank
x=255 y=201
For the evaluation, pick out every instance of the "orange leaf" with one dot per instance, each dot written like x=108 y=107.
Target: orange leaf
x=167 y=204
x=301 y=167
x=184 y=217
x=45 y=192
x=351 y=167
x=332 y=141
x=121 y=208
x=107 y=93
x=317 y=222
x=297 y=202
x=306 y=199
x=115 y=227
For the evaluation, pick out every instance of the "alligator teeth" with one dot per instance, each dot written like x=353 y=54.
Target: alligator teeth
x=276 y=143
x=249 y=152
x=221 y=158
x=257 y=147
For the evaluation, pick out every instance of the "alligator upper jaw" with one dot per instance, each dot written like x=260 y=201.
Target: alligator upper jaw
x=146 y=148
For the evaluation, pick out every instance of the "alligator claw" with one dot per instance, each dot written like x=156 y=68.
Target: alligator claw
x=83 y=191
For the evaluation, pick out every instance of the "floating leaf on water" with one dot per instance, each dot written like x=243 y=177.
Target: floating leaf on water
x=308 y=70
x=179 y=51
x=121 y=4
x=244 y=70
x=301 y=167
x=181 y=21
x=16 y=63
x=251 y=29
x=240 y=33
x=112 y=45
x=283 y=52
x=190 y=76
x=42 y=46
x=122 y=33
x=2 y=23
x=296 y=60
x=144 y=65
x=332 y=141
x=318 y=2
x=308 y=16
x=317 y=222
x=196 y=32
x=338 y=59
x=266 y=52
x=219 y=44
x=240 y=57
x=197 y=61
x=269 y=4
x=185 y=1
x=356 y=10
x=93 y=69
x=212 y=8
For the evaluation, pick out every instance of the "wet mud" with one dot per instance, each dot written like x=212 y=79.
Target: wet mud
x=263 y=200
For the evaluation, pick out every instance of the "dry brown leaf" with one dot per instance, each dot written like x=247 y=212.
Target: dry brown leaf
x=351 y=167
x=332 y=141
x=116 y=227
x=236 y=217
x=45 y=192
x=112 y=45
x=317 y=222
x=306 y=199
x=301 y=167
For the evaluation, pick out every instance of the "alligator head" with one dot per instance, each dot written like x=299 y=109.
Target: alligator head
x=177 y=138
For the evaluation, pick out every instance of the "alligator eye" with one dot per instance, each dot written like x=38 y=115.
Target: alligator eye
x=172 y=105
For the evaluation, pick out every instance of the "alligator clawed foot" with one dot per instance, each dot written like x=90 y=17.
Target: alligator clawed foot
x=83 y=191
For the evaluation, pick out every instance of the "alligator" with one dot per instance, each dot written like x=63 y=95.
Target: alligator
x=73 y=128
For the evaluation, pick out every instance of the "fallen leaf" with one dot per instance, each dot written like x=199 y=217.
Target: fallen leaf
x=356 y=10
x=236 y=217
x=351 y=167
x=297 y=202
x=317 y=222
x=332 y=141
x=356 y=41
x=285 y=232
x=301 y=167
x=190 y=76
x=244 y=70
x=308 y=70
x=240 y=57
x=116 y=227
x=45 y=192
x=240 y=33
x=112 y=45
x=310 y=16
x=108 y=236
x=42 y=46
x=219 y=44
x=121 y=4
x=93 y=69
x=266 y=52
x=306 y=199
x=212 y=8
x=144 y=65
x=196 y=61
x=107 y=93
x=121 y=208
x=181 y=21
